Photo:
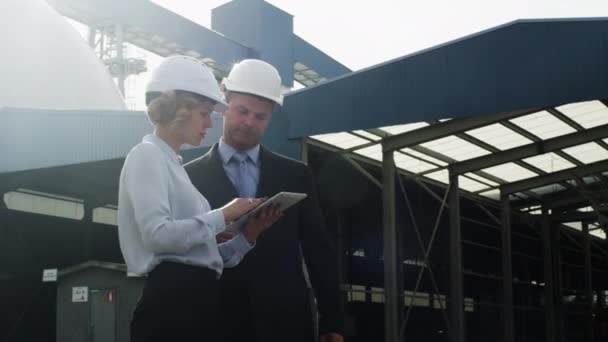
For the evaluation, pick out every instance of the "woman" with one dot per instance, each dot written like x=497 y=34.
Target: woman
x=166 y=227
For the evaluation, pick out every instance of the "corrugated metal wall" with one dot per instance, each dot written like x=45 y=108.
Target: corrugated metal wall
x=32 y=139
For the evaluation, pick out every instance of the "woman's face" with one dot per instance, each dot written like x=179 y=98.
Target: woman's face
x=193 y=130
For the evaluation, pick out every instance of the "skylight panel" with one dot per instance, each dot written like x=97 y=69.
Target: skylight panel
x=398 y=129
x=471 y=185
x=587 y=114
x=342 y=140
x=549 y=162
x=598 y=233
x=440 y=176
x=456 y=148
x=587 y=153
x=574 y=225
x=510 y=172
x=367 y=135
x=481 y=179
x=543 y=124
x=464 y=183
x=411 y=164
x=499 y=136
x=373 y=152
x=493 y=194
x=424 y=157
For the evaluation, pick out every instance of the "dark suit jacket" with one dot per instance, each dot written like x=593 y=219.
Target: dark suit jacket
x=270 y=277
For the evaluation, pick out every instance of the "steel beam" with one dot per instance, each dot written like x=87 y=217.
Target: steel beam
x=449 y=160
x=431 y=192
x=363 y=171
x=445 y=129
x=561 y=200
x=576 y=216
x=583 y=189
x=588 y=282
x=566 y=198
x=530 y=150
x=491 y=148
x=548 y=277
x=507 y=269
x=555 y=177
x=557 y=280
x=489 y=213
x=426 y=252
x=304 y=150
x=122 y=75
x=392 y=304
x=416 y=177
x=456 y=289
x=570 y=122
x=606 y=250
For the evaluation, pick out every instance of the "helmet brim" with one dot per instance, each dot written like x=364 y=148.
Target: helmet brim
x=227 y=85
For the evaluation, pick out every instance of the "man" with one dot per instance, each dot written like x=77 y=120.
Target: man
x=266 y=297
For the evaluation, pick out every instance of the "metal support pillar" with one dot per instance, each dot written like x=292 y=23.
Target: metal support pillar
x=392 y=267
x=3 y=204
x=456 y=292
x=557 y=280
x=122 y=75
x=606 y=249
x=304 y=150
x=507 y=269
x=340 y=236
x=89 y=206
x=548 y=275
x=588 y=281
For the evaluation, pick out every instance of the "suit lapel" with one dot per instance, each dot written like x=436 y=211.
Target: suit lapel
x=222 y=189
x=267 y=185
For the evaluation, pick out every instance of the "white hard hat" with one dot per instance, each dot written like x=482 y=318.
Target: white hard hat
x=253 y=76
x=187 y=74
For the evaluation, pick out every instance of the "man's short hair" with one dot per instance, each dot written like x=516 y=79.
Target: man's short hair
x=229 y=94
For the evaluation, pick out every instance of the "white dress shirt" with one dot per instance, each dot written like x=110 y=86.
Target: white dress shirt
x=250 y=174
x=162 y=217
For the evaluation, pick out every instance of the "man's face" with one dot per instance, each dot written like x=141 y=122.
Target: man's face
x=246 y=120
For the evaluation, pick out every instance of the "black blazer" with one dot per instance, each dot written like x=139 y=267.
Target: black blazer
x=271 y=275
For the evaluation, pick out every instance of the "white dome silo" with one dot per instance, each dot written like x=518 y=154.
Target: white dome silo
x=45 y=63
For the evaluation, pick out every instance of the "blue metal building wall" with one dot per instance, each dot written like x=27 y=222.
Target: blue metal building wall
x=316 y=59
x=261 y=26
x=525 y=64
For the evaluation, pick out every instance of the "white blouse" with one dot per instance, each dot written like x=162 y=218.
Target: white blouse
x=163 y=217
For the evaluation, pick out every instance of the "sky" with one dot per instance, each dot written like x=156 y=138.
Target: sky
x=361 y=34
x=364 y=33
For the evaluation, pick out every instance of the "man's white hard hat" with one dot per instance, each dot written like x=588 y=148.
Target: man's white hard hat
x=186 y=74
x=256 y=77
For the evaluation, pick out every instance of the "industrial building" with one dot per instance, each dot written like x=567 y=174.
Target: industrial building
x=465 y=186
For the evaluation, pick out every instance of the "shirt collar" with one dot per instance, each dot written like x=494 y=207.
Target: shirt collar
x=156 y=140
x=226 y=152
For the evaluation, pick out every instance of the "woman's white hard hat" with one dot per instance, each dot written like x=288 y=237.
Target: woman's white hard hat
x=187 y=74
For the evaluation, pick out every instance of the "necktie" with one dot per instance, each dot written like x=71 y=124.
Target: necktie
x=245 y=184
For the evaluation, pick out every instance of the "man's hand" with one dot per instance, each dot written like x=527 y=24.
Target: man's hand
x=257 y=225
x=331 y=337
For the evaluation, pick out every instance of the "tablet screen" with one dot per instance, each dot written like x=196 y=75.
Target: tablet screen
x=283 y=199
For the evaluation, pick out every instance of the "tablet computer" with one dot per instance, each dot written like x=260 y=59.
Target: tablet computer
x=283 y=199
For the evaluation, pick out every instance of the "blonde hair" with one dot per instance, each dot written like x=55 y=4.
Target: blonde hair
x=164 y=109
